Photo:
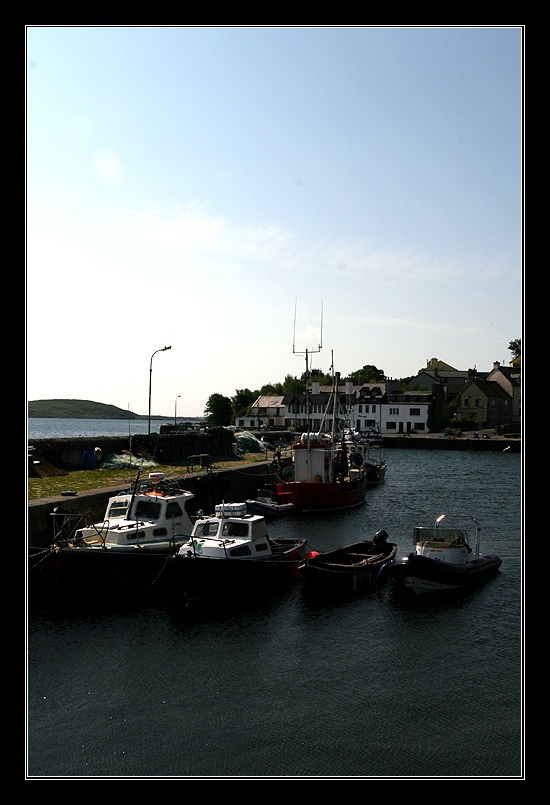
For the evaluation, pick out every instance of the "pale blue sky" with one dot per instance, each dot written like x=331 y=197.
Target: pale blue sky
x=185 y=186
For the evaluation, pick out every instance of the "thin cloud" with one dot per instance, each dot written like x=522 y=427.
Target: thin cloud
x=212 y=241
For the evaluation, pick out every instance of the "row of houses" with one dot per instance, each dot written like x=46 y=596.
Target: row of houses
x=489 y=399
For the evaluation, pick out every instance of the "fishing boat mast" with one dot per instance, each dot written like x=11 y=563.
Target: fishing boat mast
x=306 y=354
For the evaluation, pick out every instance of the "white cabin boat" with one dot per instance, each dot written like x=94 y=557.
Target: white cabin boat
x=231 y=552
x=153 y=518
x=131 y=550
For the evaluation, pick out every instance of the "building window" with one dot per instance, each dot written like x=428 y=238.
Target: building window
x=394 y=411
x=415 y=412
x=391 y=425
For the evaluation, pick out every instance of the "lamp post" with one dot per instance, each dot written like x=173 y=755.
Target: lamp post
x=150 y=377
x=176 y=408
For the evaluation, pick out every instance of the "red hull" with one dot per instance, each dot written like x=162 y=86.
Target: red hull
x=307 y=496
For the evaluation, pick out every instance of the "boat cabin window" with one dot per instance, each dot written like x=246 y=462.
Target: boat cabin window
x=132 y=535
x=235 y=529
x=242 y=550
x=261 y=546
x=118 y=509
x=148 y=509
x=207 y=529
x=173 y=509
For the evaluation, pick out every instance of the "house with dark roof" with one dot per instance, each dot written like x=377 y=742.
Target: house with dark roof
x=509 y=377
x=438 y=373
x=485 y=402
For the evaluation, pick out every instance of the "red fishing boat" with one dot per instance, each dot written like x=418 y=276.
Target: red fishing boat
x=324 y=478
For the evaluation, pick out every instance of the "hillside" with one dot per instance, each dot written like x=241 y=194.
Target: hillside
x=77 y=409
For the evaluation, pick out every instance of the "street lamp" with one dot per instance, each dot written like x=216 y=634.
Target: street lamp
x=176 y=408
x=150 y=377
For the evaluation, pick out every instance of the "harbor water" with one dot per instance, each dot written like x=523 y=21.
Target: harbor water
x=52 y=428
x=380 y=685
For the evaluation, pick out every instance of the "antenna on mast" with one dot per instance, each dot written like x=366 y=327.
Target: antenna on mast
x=306 y=355
x=319 y=346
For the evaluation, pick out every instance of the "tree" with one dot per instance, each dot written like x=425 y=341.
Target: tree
x=321 y=378
x=368 y=374
x=242 y=401
x=218 y=410
x=515 y=347
x=271 y=388
x=293 y=385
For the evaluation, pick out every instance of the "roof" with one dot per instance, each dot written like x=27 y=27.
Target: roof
x=269 y=401
x=511 y=373
x=488 y=387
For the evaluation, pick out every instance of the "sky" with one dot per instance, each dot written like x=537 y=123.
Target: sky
x=225 y=191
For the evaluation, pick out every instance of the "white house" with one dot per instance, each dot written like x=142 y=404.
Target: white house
x=406 y=412
x=266 y=412
x=373 y=406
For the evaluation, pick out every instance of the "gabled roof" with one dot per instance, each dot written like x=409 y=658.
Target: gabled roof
x=511 y=373
x=488 y=387
x=444 y=374
x=269 y=401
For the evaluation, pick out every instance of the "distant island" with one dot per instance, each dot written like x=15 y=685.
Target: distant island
x=78 y=409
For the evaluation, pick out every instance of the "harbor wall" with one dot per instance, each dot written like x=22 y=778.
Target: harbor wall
x=164 y=448
x=437 y=442
x=209 y=488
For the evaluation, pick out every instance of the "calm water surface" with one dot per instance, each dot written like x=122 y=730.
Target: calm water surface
x=377 y=686
x=52 y=428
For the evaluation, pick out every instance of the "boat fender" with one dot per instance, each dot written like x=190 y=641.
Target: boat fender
x=380 y=537
x=300 y=566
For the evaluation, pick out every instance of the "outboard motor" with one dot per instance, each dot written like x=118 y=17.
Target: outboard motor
x=380 y=537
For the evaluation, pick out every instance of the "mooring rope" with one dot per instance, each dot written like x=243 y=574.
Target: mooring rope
x=41 y=563
x=147 y=586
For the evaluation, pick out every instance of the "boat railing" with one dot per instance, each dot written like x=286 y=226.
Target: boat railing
x=164 y=486
x=66 y=524
x=223 y=543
